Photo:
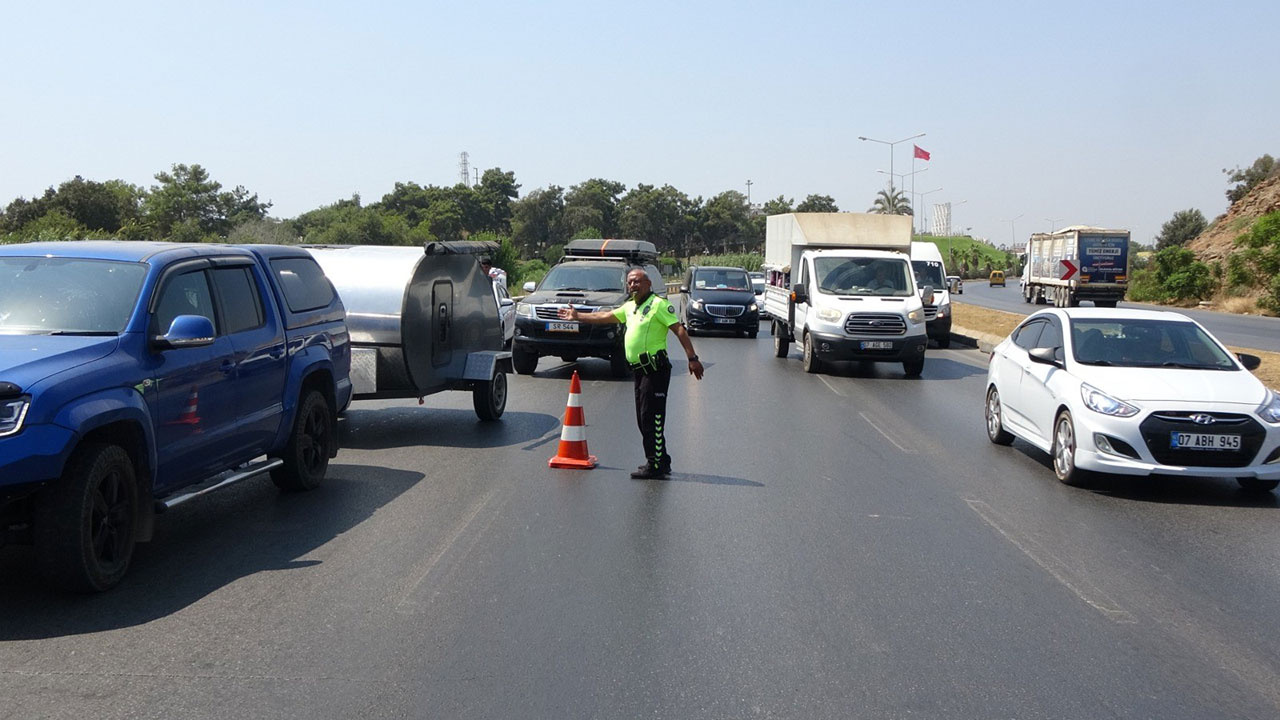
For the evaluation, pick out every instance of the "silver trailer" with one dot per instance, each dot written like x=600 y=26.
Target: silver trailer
x=422 y=320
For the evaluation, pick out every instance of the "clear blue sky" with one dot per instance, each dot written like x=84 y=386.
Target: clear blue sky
x=1114 y=114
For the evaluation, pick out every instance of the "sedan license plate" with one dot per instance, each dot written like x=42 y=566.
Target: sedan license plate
x=1203 y=441
x=562 y=327
x=876 y=345
x=725 y=321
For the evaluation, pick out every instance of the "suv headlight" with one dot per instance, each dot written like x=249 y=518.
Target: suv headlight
x=695 y=304
x=1269 y=410
x=12 y=413
x=1100 y=402
x=524 y=310
x=916 y=316
x=827 y=314
x=753 y=308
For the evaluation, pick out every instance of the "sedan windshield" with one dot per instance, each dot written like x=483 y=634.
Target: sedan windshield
x=597 y=278
x=862 y=276
x=1146 y=343
x=67 y=296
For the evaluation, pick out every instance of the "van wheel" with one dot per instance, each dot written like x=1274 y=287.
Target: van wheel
x=489 y=398
x=944 y=341
x=524 y=362
x=995 y=419
x=84 y=525
x=752 y=334
x=781 y=346
x=913 y=368
x=618 y=364
x=812 y=363
x=306 y=455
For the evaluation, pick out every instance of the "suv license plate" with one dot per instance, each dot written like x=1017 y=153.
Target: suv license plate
x=562 y=327
x=876 y=345
x=725 y=321
x=1203 y=441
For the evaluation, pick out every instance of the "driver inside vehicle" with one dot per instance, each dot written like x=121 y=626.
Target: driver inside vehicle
x=883 y=279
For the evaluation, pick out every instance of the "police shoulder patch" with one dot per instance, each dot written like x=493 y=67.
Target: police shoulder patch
x=671 y=309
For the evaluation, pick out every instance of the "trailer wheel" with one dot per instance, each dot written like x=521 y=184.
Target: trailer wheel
x=306 y=455
x=84 y=525
x=490 y=397
x=781 y=345
x=524 y=362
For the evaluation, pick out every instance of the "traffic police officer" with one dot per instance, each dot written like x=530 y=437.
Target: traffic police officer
x=647 y=318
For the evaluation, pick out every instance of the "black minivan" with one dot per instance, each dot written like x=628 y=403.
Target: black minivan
x=719 y=298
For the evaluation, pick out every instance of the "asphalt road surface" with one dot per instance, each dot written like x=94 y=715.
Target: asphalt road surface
x=845 y=545
x=1248 y=331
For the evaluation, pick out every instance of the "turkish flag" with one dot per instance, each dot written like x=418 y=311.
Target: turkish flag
x=922 y=154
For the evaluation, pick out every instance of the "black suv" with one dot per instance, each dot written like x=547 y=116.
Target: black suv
x=592 y=276
x=720 y=298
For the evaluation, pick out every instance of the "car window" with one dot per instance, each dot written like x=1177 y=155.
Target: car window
x=1026 y=336
x=184 y=294
x=1050 y=336
x=303 y=282
x=240 y=299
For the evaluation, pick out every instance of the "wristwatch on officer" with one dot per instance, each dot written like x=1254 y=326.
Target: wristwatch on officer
x=693 y=358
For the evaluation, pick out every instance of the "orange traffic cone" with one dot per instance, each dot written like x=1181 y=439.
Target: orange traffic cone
x=573 y=435
x=191 y=415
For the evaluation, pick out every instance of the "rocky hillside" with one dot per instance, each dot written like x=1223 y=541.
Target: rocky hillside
x=1217 y=242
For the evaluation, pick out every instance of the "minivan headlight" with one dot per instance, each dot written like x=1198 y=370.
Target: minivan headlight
x=827 y=314
x=1100 y=402
x=1269 y=410
x=12 y=413
x=695 y=304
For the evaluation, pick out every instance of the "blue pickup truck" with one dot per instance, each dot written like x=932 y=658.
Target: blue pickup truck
x=136 y=376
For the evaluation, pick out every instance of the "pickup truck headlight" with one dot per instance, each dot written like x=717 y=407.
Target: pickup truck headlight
x=1100 y=402
x=524 y=310
x=12 y=413
x=916 y=316
x=827 y=314
x=1269 y=410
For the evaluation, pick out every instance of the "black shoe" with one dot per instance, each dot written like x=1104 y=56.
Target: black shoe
x=649 y=473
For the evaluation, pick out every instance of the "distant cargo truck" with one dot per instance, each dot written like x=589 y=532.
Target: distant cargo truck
x=1076 y=263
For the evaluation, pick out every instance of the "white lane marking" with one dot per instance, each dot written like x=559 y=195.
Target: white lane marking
x=1094 y=596
x=422 y=571
x=885 y=434
x=833 y=387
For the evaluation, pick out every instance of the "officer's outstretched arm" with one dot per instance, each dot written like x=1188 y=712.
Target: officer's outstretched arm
x=600 y=317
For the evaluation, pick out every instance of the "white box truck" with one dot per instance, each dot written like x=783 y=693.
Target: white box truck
x=1076 y=263
x=841 y=285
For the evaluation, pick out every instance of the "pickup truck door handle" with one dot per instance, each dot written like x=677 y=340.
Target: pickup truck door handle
x=228 y=367
x=277 y=353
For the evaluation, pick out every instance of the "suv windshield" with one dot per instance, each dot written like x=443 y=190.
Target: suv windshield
x=928 y=272
x=67 y=296
x=721 y=280
x=1146 y=343
x=862 y=276
x=574 y=276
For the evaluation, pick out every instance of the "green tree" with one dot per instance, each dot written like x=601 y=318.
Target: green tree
x=537 y=220
x=186 y=202
x=662 y=215
x=1180 y=275
x=494 y=195
x=894 y=203
x=265 y=231
x=1185 y=226
x=1247 y=179
x=594 y=203
x=781 y=206
x=818 y=203
x=726 y=222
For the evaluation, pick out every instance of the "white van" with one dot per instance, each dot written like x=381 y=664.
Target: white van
x=926 y=261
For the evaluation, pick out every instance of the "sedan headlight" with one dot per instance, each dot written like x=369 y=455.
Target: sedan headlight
x=12 y=413
x=1269 y=410
x=524 y=310
x=827 y=314
x=916 y=316
x=1100 y=402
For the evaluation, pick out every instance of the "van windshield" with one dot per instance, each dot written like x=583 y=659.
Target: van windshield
x=720 y=280
x=862 y=276
x=928 y=272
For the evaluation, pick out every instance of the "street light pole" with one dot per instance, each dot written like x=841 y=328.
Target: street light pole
x=1013 y=236
x=1053 y=224
x=890 y=144
x=748 y=195
x=922 y=197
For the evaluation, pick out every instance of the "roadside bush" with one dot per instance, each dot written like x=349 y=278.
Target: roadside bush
x=1181 y=276
x=1143 y=287
x=747 y=261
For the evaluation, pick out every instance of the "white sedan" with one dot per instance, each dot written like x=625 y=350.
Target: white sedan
x=1133 y=392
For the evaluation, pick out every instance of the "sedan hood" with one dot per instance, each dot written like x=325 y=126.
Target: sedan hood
x=1175 y=384
x=28 y=359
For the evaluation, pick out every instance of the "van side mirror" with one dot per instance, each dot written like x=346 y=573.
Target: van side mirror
x=926 y=294
x=1250 y=362
x=799 y=294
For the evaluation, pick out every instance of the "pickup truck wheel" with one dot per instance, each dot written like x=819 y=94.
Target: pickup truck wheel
x=306 y=456
x=524 y=362
x=781 y=346
x=811 y=362
x=618 y=364
x=490 y=398
x=84 y=526
x=913 y=367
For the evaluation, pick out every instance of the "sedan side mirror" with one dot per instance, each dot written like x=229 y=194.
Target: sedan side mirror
x=1045 y=356
x=1250 y=362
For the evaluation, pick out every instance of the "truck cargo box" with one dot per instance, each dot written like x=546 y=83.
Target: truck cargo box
x=786 y=236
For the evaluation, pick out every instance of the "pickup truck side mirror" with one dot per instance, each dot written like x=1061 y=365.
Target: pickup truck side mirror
x=799 y=294
x=1046 y=356
x=530 y=287
x=186 y=331
x=926 y=294
x=1250 y=362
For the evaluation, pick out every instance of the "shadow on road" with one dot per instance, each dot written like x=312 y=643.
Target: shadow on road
x=406 y=426
x=198 y=549
x=1162 y=489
